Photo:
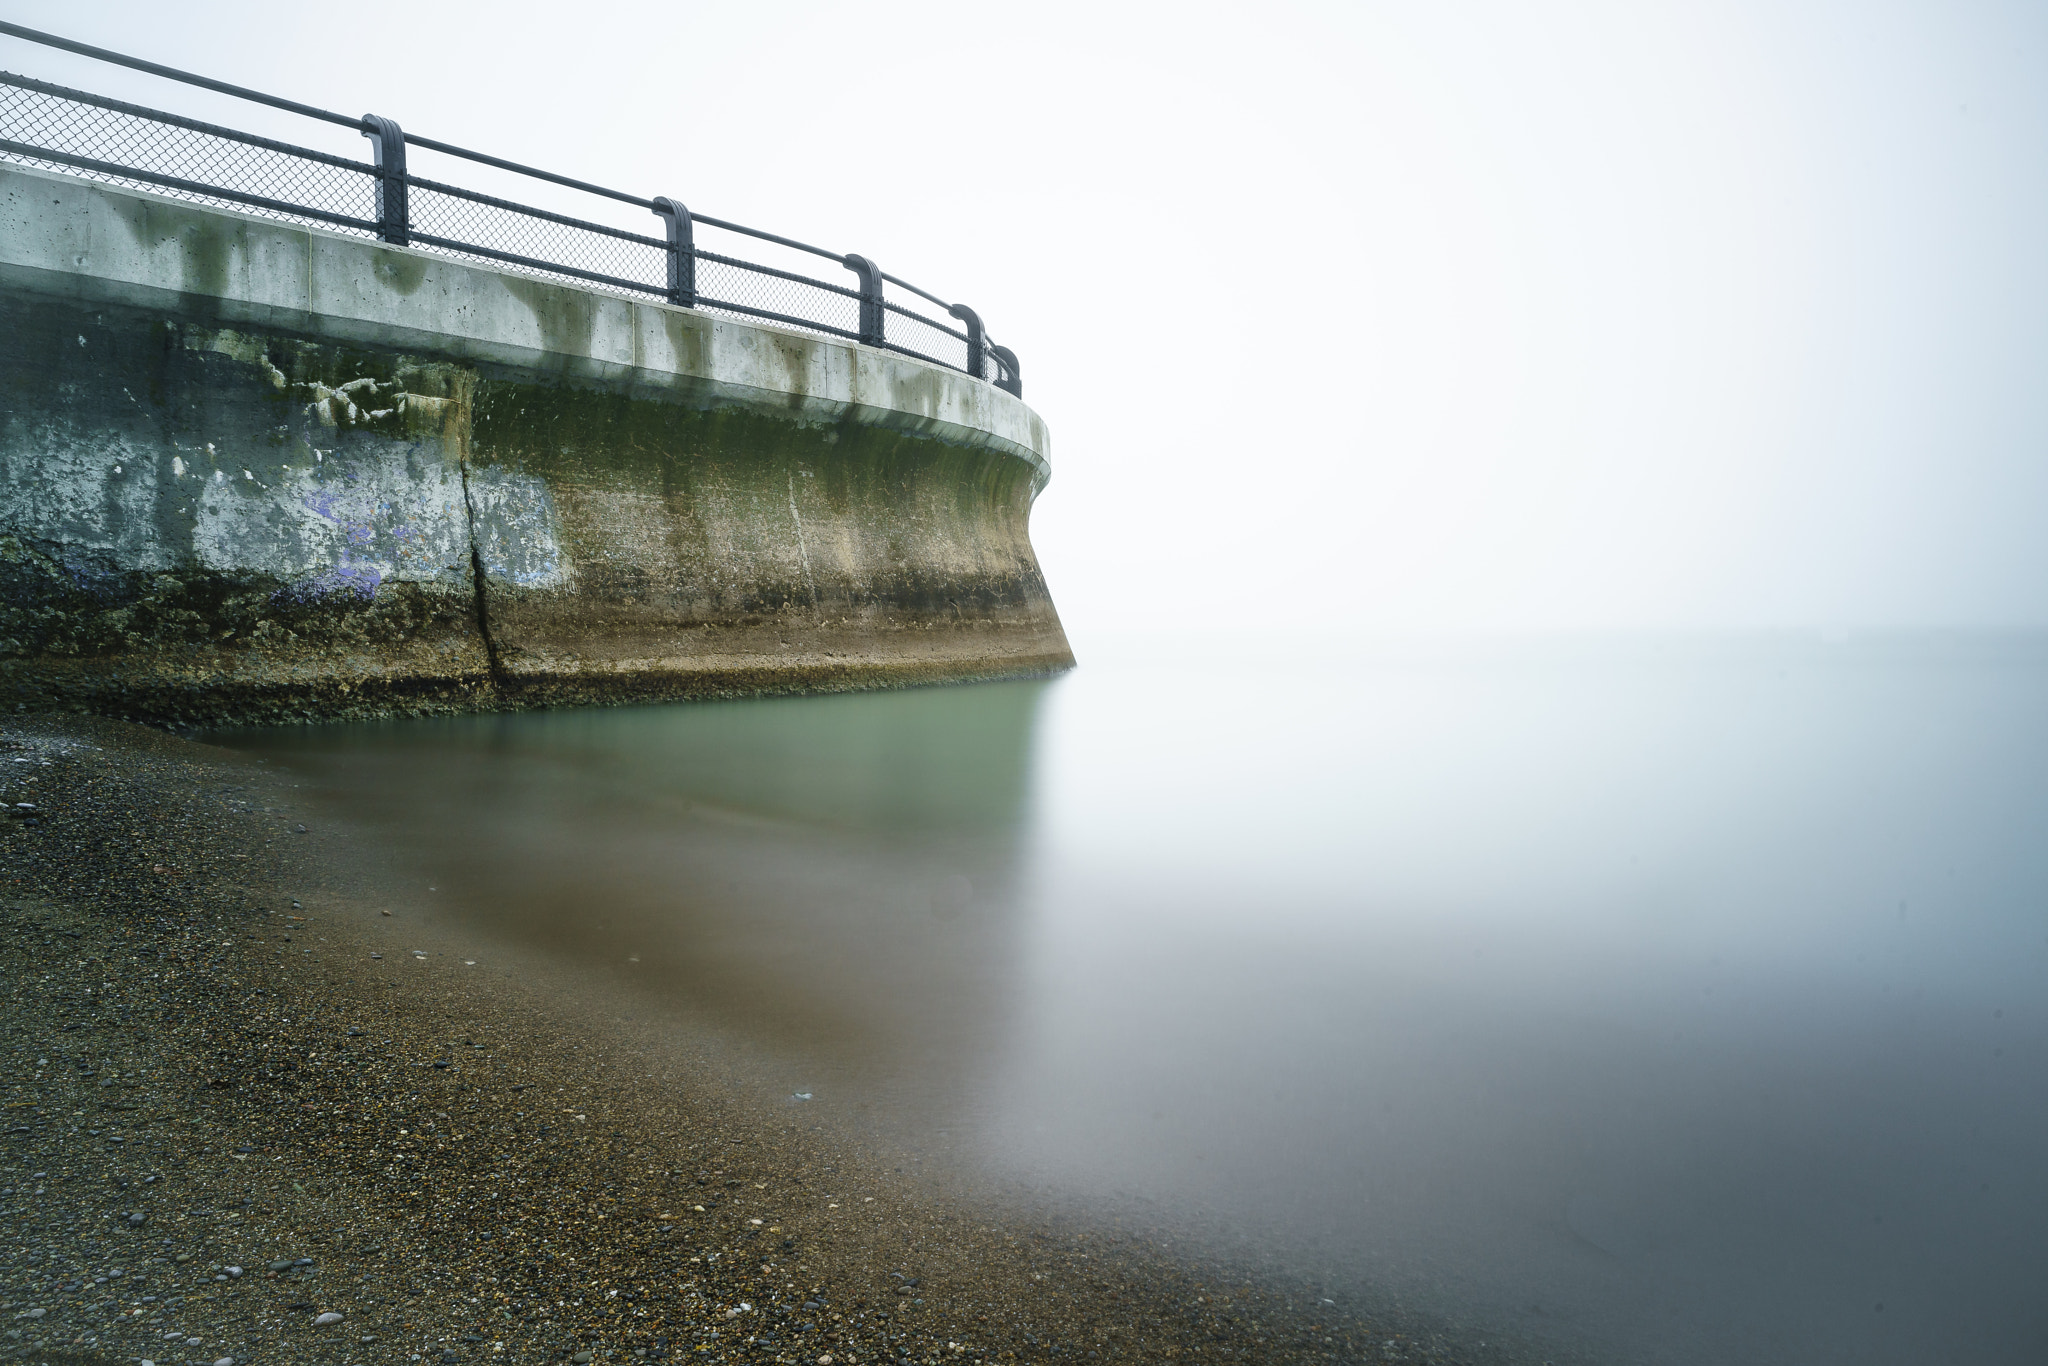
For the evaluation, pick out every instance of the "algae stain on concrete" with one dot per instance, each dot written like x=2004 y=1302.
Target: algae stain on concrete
x=688 y=334
x=206 y=244
x=210 y=247
x=401 y=271
x=566 y=318
x=799 y=357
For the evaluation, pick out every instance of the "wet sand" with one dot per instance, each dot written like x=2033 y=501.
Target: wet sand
x=233 y=1049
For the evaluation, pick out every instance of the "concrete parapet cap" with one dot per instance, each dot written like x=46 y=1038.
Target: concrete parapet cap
x=73 y=238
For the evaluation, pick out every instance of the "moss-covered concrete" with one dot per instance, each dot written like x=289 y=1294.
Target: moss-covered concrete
x=210 y=513
x=695 y=540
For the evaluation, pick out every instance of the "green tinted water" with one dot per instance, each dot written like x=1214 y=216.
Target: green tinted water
x=1666 y=1001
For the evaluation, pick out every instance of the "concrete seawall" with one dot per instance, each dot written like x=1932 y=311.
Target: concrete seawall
x=256 y=471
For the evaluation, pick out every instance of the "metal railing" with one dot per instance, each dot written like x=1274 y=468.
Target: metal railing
x=58 y=128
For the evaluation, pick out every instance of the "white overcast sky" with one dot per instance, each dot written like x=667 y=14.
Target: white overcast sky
x=1426 y=315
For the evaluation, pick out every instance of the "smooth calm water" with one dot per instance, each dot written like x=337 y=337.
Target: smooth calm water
x=1650 y=1000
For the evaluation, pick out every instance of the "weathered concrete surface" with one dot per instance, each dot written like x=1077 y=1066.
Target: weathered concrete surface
x=251 y=470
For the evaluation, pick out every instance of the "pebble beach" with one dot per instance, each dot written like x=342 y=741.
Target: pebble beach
x=253 y=1115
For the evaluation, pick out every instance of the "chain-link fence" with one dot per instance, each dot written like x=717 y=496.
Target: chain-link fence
x=75 y=132
x=464 y=223
x=59 y=129
x=744 y=289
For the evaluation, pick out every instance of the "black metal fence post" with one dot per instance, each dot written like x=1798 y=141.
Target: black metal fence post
x=387 y=141
x=871 y=312
x=976 y=339
x=1011 y=380
x=682 y=253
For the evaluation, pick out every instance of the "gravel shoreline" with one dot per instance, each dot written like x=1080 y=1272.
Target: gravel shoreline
x=237 y=1104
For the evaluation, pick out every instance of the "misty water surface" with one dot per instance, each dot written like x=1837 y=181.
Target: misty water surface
x=1650 y=1001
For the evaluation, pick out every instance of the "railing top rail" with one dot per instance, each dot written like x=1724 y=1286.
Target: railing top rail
x=172 y=73
x=915 y=290
x=840 y=257
x=87 y=148
x=415 y=140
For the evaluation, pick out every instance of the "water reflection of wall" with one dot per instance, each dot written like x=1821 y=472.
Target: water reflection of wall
x=834 y=876
x=1652 y=1008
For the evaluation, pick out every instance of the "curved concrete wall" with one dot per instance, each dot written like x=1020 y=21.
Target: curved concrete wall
x=251 y=470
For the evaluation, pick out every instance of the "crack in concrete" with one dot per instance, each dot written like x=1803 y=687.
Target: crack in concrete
x=483 y=614
x=476 y=563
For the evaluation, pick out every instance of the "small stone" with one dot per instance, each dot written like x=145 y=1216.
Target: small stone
x=233 y=1271
x=281 y=1264
x=580 y=1356
x=37 y=1313
x=225 y=1361
x=137 y=1220
x=329 y=1317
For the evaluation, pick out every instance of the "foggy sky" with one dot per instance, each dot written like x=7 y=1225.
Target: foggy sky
x=1356 y=317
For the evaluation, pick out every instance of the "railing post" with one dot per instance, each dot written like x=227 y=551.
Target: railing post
x=682 y=254
x=394 y=221
x=870 y=298
x=1012 y=379
x=976 y=340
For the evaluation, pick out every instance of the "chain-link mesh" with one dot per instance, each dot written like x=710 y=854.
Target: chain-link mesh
x=546 y=244
x=51 y=119
x=908 y=329
x=783 y=297
x=55 y=128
